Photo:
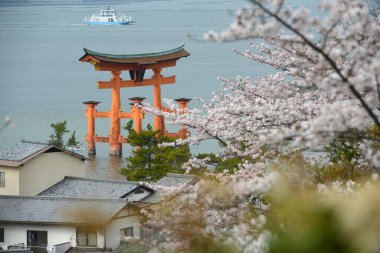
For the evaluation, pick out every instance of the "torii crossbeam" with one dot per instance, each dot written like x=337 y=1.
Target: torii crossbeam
x=136 y=64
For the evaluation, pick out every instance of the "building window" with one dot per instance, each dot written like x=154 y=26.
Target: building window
x=87 y=236
x=1 y=234
x=37 y=240
x=126 y=232
x=2 y=179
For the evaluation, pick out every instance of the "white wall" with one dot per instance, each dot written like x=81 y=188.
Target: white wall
x=11 y=181
x=100 y=238
x=46 y=170
x=113 y=230
x=16 y=233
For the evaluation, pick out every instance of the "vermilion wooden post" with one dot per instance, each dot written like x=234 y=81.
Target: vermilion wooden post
x=158 y=122
x=115 y=145
x=90 y=137
x=182 y=102
x=138 y=113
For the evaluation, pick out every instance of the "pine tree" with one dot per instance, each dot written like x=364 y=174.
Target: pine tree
x=60 y=129
x=57 y=138
x=150 y=160
x=72 y=141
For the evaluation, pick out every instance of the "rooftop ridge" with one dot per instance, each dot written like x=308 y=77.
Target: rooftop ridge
x=61 y=198
x=170 y=51
x=180 y=175
x=25 y=150
x=35 y=142
x=19 y=159
x=101 y=180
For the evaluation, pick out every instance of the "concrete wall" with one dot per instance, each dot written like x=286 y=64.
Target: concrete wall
x=47 y=169
x=113 y=230
x=17 y=233
x=12 y=186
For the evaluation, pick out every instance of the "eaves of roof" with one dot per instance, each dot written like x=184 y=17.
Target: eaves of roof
x=140 y=186
x=145 y=58
x=10 y=163
x=56 y=210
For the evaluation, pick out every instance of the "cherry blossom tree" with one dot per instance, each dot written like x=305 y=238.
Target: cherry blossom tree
x=327 y=84
x=328 y=79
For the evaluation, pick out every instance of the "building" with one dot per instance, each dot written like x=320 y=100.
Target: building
x=50 y=222
x=80 y=212
x=28 y=168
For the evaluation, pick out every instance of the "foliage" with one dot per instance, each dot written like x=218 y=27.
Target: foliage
x=344 y=149
x=325 y=94
x=151 y=159
x=220 y=164
x=57 y=138
x=60 y=129
x=347 y=156
x=211 y=218
x=72 y=141
x=308 y=221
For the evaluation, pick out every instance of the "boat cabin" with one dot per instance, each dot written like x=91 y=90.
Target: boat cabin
x=108 y=13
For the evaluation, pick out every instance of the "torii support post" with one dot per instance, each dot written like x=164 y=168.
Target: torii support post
x=182 y=102
x=90 y=137
x=115 y=145
x=158 y=122
x=137 y=113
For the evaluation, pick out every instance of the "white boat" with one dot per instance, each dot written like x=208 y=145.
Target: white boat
x=108 y=17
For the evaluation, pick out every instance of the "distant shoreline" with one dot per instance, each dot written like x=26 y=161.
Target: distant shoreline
x=66 y=2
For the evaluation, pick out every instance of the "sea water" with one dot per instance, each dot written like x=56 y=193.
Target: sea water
x=43 y=82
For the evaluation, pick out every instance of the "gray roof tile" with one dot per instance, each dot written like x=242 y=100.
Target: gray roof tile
x=172 y=179
x=77 y=187
x=58 y=210
x=21 y=150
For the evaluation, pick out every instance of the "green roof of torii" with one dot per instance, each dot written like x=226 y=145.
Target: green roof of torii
x=145 y=58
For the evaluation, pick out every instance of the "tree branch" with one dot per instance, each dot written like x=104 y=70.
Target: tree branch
x=325 y=56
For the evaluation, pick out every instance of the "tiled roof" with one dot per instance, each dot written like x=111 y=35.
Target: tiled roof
x=152 y=198
x=52 y=210
x=78 y=187
x=23 y=151
x=169 y=180
x=146 y=58
x=172 y=179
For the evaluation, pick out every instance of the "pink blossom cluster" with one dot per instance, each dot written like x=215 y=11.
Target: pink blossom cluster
x=328 y=83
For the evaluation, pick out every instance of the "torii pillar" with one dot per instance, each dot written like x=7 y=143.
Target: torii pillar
x=90 y=137
x=115 y=144
x=136 y=65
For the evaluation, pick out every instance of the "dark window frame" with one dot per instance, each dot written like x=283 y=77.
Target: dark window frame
x=2 y=179
x=37 y=240
x=2 y=232
x=128 y=231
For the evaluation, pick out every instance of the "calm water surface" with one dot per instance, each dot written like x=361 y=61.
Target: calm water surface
x=42 y=81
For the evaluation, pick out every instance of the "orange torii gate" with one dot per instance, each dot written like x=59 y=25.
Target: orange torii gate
x=136 y=64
